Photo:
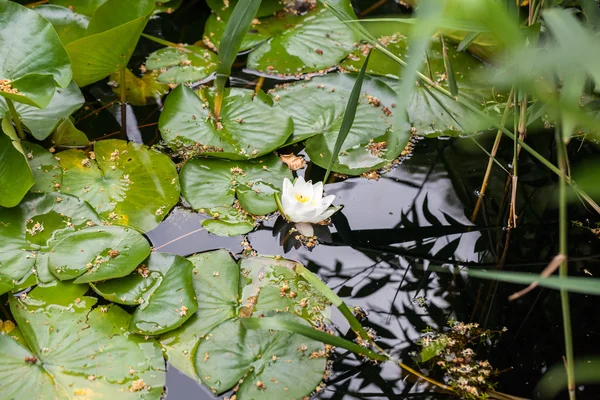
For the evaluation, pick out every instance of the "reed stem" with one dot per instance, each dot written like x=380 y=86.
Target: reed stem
x=15 y=117
x=123 y=91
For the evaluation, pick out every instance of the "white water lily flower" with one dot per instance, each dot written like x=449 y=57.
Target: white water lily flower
x=304 y=202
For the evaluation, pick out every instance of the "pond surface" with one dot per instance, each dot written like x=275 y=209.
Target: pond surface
x=412 y=218
x=378 y=252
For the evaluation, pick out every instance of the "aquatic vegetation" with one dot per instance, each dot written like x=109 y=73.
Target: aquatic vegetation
x=129 y=126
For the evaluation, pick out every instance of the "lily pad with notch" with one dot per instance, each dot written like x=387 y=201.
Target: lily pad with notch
x=34 y=61
x=182 y=64
x=72 y=350
x=30 y=231
x=127 y=183
x=292 y=43
x=98 y=253
x=208 y=183
x=240 y=134
x=376 y=137
x=202 y=347
x=162 y=289
x=228 y=221
x=44 y=166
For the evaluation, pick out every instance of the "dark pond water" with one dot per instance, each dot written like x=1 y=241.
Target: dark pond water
x=379 y=250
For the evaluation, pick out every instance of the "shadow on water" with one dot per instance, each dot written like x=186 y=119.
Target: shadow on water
x=377 y=257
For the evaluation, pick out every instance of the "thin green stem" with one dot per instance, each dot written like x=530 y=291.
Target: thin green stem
x=15 y=117
x=564 y=269
x=160 y=41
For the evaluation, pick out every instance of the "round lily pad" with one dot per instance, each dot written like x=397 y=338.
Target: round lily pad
x=34 y=61
x=227 y=292
x=127 y=183
x=377 y=135
x=98 y=253
x=29 y=231
x=72 y=350
x=292 y=43
x=249 y=126
x=209 y=183
x=182 y=64
x=162 y=287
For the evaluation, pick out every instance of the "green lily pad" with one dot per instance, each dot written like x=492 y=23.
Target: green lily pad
x=162 y=287
x=69 y=25
x=425 y=114
x=182 y=64
x=34 y=61
x=73 y=351
x=97 y=253
x=15 y=174
x=6 y=284
x=45 y=168
x=66 y=134
x=186 y=120
x=224 y=8
x=290 y=44
x=140 y=91
x=30 y=231
x=227 y=292
x=84 y=7
x=376 y=138
x=127 y=183
x=109 y=40
x=209 y=183
x=42 y=122
x=228 y=221
x=166 y=6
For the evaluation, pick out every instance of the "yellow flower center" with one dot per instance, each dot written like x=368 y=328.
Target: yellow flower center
x=301 y=198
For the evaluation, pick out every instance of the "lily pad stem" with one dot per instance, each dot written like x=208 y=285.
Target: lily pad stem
x=160 y=41
x=122 y=86
x=15 y=117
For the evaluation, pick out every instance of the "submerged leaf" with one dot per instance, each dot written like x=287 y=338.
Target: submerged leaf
x=140 y=91
x=127 y=183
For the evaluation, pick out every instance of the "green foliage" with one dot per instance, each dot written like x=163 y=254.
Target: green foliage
x=42 y=122
x=228 y=221
x=317 y=108
x=71 y=350
x=68 y=24
x=228 y=293
x=140 y=91
x=239 y=134
x=209 y=183
x=109 y=40
x=182 y=64
x=15 y=175
x=34 y=61
x=162 y=287
x=127 y=183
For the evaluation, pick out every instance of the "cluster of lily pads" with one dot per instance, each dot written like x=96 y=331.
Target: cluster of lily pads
x=73 y=213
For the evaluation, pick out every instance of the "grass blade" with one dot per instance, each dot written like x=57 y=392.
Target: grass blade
x=349 y=115
x=331 y=296
x=466 y=42
x=574 y=284
x=282 y=324
x=237 y=27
